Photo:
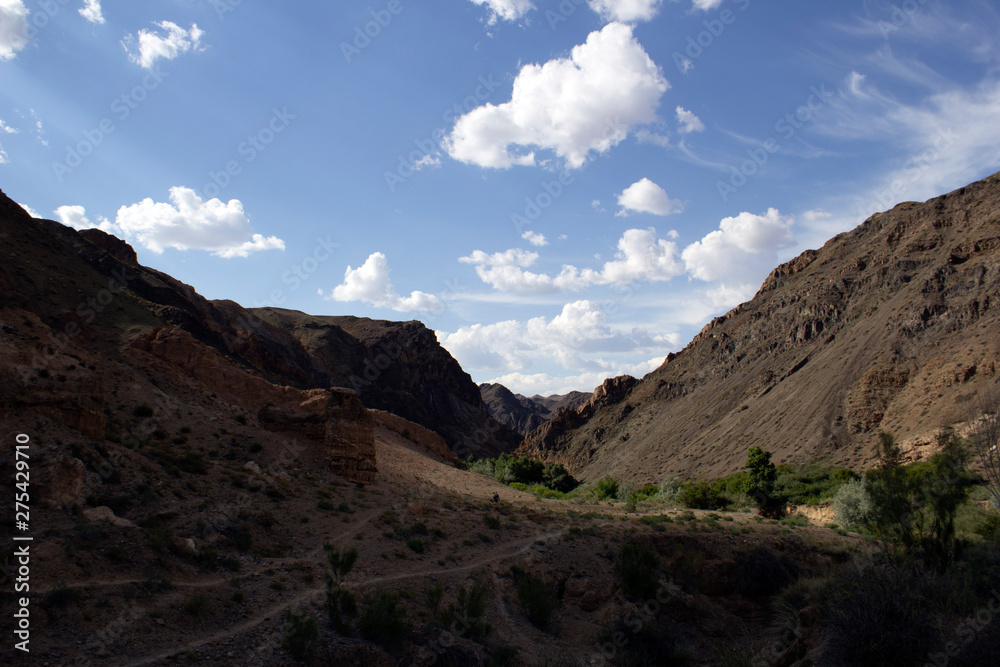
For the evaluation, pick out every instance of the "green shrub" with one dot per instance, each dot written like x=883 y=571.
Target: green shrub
x=464 y=617
x=852 y=504
x=60 y=596
x=669 y=489
x=482 y=467
x=878 y=616
x=339 y=601
x=639 y=569
x=557 y=478
x=534 y=597
x=542 y=491
x=434 y=594
x=325 y=505
x=491 y=521
x=519 y=486
x=383 y=619
x=299 y=633
x=195 y=604
x=142 y=411
x=761 y=573
x=606 y=488
x=634 y=642
x=702 y=496
x=416 y=545
x=527 y=470
x=914 y=507
x=241 y=537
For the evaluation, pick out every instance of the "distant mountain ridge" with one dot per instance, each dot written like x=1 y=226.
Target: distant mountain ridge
x=50 y=269
x=889 y=327
x=522 y=414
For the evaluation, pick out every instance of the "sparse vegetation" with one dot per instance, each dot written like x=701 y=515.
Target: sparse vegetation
x=195 y=604
x=534 y=597
x=339 y=601
x=465 y=615
x=383 y=619
x=299 y=633
x=639 y=569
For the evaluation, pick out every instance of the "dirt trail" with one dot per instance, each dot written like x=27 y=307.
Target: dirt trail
x=510 y=550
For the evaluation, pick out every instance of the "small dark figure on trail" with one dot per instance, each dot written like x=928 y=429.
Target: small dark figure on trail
x=496 y=497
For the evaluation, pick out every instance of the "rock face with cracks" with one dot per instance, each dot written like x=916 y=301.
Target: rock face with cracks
x=889 y=327
x=334 y=417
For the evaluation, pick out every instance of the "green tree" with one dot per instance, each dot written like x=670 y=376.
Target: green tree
x=557 y=478
x=940 y=495
x=339 y=601
x=761 y=478
x=892 y=512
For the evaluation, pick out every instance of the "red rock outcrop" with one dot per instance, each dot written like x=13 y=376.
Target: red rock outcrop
x=336 y=418
x=415 y=433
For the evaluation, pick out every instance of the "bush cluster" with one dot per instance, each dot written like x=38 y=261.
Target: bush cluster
x=523 y=473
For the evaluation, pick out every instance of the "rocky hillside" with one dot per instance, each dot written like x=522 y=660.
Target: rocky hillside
x=398 y=367
x=523 y=414
x=890 y=327
x=88 y=291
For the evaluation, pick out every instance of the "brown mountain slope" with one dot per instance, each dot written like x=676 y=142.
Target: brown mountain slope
x=88 y=288
x=399 y=367
x=892 y=326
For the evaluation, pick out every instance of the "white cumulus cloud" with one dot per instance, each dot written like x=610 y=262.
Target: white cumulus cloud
x=188 y=223
x=739 y=254
x=640 y=257
x=370 y=283
x=76 y=217
x=627 y=11
x=645 y=196
x=577 y=339
x=146 y=47
x=91 y=11
x=508 y=10
x=688 y=121
x=572 y=106
x=13 y=28
x=535 y=239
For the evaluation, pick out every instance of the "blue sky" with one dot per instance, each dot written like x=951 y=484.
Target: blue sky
x=563 y=191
